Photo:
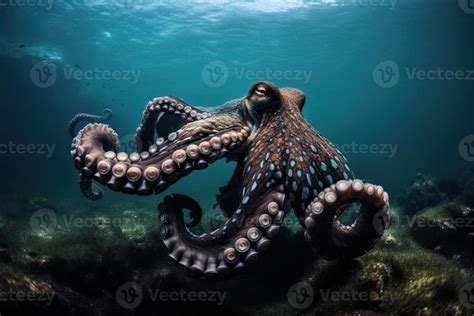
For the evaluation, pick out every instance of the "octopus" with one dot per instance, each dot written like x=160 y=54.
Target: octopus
x=283 y=164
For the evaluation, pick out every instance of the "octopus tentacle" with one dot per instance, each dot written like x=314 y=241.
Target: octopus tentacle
x=84 y=117
x=155 y=109
x=334 y=240
x=231 y=247
x=192 y=148
x=89 y=145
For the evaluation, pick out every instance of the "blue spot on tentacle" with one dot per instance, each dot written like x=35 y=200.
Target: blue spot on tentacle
x=311 y=169
x=294 y=186
x=245 y=200
x=272 y=166
x=313 y=148
x=299 y=173
x=329 y=177
x=290 y=172
x=333 y=164
x=172 y=136
x=254 y=186
x=320 y=183
x=323 y=166
x=292 y=163
x=305 y=193
x=238 y=211
x=278 y=175
x=308 y=178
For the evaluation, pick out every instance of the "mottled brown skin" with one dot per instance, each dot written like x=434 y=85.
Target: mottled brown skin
x=283 y=164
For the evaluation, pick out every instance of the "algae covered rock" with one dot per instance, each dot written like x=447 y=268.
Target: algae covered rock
x=421 y=193
x=448 y=228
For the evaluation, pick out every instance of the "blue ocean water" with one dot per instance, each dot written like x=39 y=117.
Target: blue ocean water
x=120 y=54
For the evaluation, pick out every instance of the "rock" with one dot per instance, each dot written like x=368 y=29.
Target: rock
x=448 y=229
x=422 y=192
x=4 y=255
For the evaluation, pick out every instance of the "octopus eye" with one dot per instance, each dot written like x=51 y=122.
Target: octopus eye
x=261 y=91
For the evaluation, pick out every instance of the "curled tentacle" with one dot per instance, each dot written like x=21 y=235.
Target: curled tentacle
x=232 y=247
x=88 y=146
x=176 y=111
x=193 y=147
x=89 y=189
x=334 y=240
x=84 y=117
